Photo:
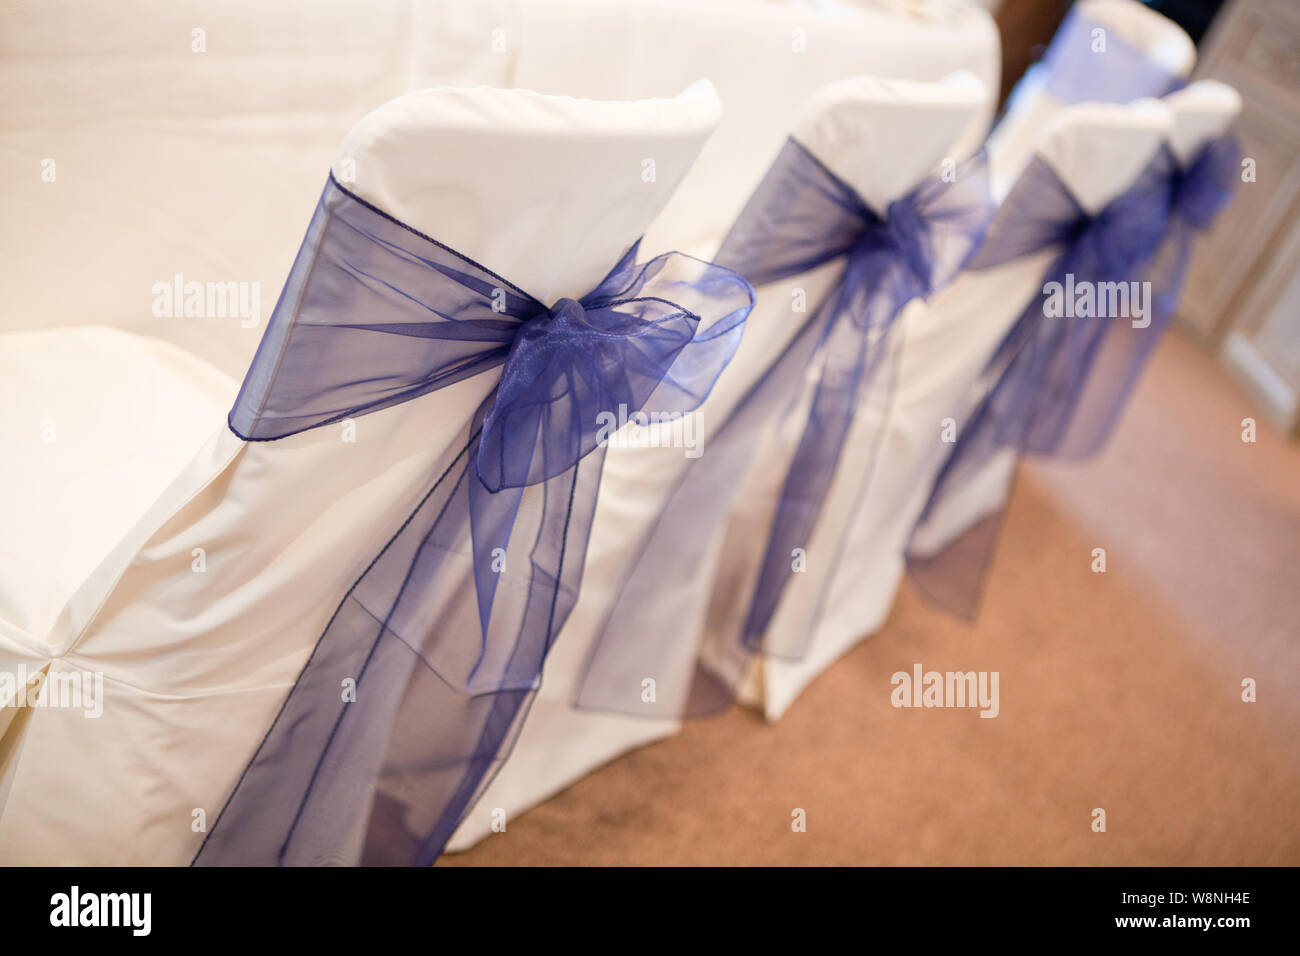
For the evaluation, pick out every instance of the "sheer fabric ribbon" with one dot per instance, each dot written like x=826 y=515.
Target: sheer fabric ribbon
x=1057 y=384
x=802 y=216
x=446 y=630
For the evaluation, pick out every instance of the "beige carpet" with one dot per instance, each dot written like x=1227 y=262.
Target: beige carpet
x=1119 y=690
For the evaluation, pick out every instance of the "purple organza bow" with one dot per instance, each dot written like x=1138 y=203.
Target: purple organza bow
x=1057 y=385
x=801 y=216
x=375 y=314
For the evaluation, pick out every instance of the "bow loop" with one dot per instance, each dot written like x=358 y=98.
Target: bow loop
x=909 y=234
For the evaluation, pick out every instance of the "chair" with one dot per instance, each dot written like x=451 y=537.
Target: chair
x=1098 y=150
x=201 y=616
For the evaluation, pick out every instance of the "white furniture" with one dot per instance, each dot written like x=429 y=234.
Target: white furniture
x=1136 y=53
x=201 y=615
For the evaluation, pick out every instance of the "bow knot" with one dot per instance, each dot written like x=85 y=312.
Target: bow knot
x=909 y=235
x=565 y=316
x=1123 y=236
x=613 y=349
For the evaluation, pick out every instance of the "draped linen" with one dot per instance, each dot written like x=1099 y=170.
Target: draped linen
x=801 y=216
x=1057 y=384
x=435 y=684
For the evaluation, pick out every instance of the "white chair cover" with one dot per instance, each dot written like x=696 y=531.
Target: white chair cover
x=1203 y=111
x=545 y=190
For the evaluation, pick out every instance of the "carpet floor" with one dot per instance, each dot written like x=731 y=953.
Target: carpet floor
x=1120 y=691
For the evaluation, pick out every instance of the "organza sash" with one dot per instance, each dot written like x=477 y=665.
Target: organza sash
x=801 y=216
x=1196 y=195
x=1057 y=384
x=446 y=630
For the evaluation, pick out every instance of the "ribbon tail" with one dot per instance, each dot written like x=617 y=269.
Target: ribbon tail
x=492 y=518
x=952 y=544
x=653 y=625
x=861 y=316
x=333 y=778
x=807 y=482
